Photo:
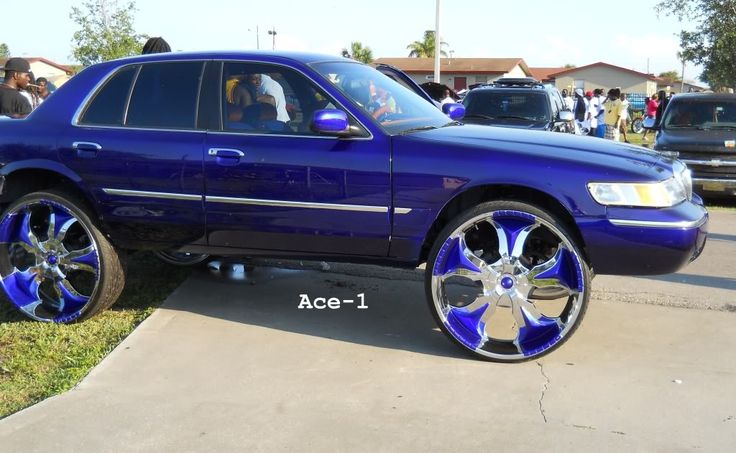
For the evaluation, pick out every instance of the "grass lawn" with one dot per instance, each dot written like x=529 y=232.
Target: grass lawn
x=39 y=360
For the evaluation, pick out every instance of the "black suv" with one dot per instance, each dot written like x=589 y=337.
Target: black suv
x=701 y=128
x=522 y=103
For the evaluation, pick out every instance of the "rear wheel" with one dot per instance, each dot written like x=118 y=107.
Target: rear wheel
x=55 y=264
x=507 y=282
x=637 y=126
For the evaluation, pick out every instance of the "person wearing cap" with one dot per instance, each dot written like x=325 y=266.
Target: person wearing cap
x=592 y=114
x=17 y=77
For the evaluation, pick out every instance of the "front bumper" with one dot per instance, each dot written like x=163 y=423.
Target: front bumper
x=640 y=241
x=715 y=186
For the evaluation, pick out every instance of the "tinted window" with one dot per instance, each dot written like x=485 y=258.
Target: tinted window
x=701 y=114
x=165 y=95
x=501 y=103
x=108 y=105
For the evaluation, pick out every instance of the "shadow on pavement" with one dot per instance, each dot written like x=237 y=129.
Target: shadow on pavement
x=721 y=237
x=397 y=316
x=696 y=280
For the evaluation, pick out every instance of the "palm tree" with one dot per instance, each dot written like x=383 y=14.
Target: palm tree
x=358 y=52
x=425 y=48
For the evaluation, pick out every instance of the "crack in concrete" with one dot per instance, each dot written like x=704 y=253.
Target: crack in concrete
x=544 y=390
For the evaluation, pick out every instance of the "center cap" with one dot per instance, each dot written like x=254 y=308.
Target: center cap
x=52 y=259
x=507 y=282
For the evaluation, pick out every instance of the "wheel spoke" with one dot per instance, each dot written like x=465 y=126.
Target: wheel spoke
x=558 y=271
x=512 y=233
x=59 y=224
x=83 y=259
x=459 y=261
x=71 y=299
x=536 y=331
x=25 y=233
x=468 y=324
x=22 y=288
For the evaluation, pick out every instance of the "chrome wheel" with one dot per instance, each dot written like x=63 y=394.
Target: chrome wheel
x=507 y=283
x=50 y=260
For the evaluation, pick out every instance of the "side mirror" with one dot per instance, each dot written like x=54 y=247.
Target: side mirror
x=453 y=110
x=331 y=122
x=566 y=115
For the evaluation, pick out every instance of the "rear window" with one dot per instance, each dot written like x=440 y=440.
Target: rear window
x=108 y=106
x=165 y=95
x=505 y=104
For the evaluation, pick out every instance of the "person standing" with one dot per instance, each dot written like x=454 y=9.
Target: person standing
x=612 y=114
x=662 y=96
x=651 y=112
x=624 y=116
x=592 y=114
x=17 y=77
x=569 y=103
x=581 y=106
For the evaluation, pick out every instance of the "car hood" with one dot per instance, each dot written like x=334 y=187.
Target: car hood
x=693 y=140
x=591 y=150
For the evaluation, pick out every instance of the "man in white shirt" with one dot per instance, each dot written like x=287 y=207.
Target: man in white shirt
x=272 y=88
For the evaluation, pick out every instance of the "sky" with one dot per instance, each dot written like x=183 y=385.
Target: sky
x=629 y=34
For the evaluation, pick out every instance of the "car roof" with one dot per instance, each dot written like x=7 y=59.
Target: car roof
x=262 y=55
x=705 y=97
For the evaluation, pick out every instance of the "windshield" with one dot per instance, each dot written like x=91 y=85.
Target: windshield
x=502 y=104
x=707 y=114
x=397 y=109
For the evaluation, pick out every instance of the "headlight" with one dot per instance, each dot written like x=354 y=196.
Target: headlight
x=652 y=195
x=685 y=176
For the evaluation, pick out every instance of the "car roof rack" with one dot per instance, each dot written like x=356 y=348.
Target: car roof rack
x=522 y=82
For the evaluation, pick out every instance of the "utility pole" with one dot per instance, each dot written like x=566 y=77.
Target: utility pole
x=258 y=39
x=272 y=32
x=437 y=45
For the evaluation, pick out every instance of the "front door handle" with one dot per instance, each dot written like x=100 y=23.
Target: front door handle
x=86 y=150
x=227 y=157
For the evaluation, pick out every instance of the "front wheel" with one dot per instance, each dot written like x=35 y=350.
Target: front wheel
x=55 y=264
x=507 y=282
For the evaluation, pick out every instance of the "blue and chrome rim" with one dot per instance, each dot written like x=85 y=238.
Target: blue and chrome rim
x=508 y=285
x=49 y=261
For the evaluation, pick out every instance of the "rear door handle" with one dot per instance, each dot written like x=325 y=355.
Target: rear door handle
x=86 y=150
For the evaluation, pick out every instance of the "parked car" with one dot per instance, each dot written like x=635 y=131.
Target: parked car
x=175 y=152
x=701 y=128
x=518 y=103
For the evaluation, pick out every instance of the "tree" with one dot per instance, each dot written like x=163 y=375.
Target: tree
x=106 y=31
x=425 y=48
x=358 y=52
x=4 y=50
x=569 y=66
x=670 y=75
x=713 y=42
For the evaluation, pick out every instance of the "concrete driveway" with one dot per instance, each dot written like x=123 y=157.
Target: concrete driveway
x=229 y=365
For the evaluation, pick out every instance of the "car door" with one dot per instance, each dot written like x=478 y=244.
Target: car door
x=138 y=147
x=275 y=185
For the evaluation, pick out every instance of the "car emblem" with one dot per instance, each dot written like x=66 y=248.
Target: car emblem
x=730 y=143
x=716 y=162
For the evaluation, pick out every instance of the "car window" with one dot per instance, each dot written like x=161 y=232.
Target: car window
x=501 y=103
x=270 y=99
x=165 y=95
x=701 y=114
x=396 y=108
x=108 y=105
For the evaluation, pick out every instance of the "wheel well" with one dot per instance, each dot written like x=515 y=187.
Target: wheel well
x=477 y=195
x=22 y=182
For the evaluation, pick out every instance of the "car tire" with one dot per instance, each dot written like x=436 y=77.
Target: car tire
x=507 y=282
x=55 y=263
x=180 y=258
x=637 y=126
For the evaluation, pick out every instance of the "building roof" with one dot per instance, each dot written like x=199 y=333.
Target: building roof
x=605 y=65
x=457 y=65
x=543 y=74
x=32 y=60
